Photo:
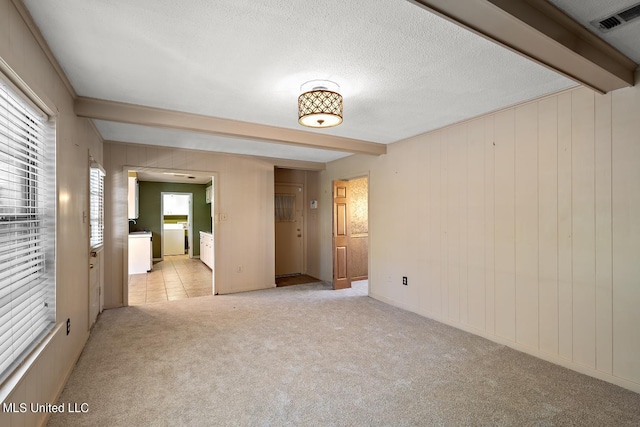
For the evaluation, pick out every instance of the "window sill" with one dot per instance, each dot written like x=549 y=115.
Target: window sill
x=15 y=377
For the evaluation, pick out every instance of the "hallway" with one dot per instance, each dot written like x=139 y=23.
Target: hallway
x=177 y=277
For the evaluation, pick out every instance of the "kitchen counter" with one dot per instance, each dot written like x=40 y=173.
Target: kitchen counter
x=140 y=234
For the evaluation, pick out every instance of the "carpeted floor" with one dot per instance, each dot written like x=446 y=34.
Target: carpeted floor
x=309 y=356
x=299 y=279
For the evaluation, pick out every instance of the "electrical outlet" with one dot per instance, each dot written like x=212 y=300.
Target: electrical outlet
x=404 y=280
x=68 y=326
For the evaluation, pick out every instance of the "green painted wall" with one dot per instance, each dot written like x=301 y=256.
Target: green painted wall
x=149 y=211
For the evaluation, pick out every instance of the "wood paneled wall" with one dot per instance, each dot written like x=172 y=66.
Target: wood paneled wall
x=522 y=226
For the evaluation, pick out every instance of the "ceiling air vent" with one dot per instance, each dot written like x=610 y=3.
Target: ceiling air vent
x=618 y=19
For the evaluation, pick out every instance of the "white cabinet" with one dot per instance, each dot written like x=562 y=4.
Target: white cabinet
x=206 y=248
x=133 y=196
x=140 y=252
x=175 y=204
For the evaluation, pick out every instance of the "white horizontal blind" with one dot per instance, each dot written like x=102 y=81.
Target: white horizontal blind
x=27 y=229
x=96 y=208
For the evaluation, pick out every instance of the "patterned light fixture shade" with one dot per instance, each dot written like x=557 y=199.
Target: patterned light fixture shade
x=320 y=104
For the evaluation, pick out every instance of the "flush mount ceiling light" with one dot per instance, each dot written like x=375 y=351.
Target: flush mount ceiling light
x=320 y=104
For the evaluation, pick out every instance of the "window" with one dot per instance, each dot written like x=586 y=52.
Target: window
x=285 y=208
x=96 y=208
x=27 y=228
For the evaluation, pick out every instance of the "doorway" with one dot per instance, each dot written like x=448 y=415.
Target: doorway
x=176 y=276
x=176 y=233
x=350 y=232
x=288 y=229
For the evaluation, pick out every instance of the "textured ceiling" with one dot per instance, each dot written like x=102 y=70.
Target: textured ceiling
x=402 y=70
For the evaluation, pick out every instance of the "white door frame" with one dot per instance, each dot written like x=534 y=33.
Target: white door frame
x=189 y=219
x=125 y=220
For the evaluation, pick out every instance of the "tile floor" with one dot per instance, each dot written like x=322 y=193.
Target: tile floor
x=177 y=277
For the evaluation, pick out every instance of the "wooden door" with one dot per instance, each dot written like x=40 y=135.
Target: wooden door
x=288 y=218
x=341 y=233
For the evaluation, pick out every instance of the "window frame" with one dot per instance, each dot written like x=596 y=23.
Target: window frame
x=96 y=202
x=27 y=222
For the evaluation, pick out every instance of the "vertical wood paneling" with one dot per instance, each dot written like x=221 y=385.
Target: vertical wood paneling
x=152 y=157
x=548 y=224
x=489 y=227
x=454 y=181
x=626 y=233
x=18 y=396
x=133 y=154
x=142 y=156
x=120 y=228
x=422 y=219
x=565 y=293
x=5 y=417
x=583 y=225
x=165 y=157
x=444 y=221
x=463 y=305
x=476 y=221
x=526 y=221
x=179 y=159
x=200 y=162
x=505 y=315
x=17 y=31
x=435 y=231
x=604 y=267
x=543 y=225
x=108 y=221
x=414 y=223
x=4 y=34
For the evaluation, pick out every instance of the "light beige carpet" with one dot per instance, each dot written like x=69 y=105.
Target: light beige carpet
x=309 y=356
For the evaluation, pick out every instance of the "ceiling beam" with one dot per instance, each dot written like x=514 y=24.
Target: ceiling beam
x=168 y=119
x=296 y=164
x=277 y=162
x=543 y=33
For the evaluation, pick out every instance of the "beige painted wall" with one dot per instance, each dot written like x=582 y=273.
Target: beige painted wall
x=521 y=226
x=244 y=192
x=75 y=140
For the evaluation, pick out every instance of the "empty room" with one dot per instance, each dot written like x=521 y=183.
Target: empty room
x=450 y=190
